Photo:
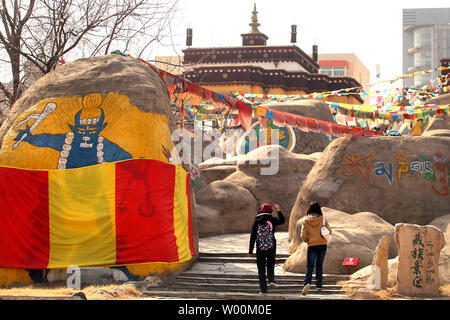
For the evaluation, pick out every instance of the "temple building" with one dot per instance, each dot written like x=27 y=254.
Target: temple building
x=258 y=68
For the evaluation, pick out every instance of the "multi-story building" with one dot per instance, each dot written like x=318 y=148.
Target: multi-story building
x=345 y=65
x=426 y=40
x=258 y=68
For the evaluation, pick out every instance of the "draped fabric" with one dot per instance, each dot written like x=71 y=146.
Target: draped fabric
x=128 y=212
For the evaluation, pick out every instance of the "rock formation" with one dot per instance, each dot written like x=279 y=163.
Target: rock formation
x=380 y=260
x=398 y=178
x=307 y=142
x=439 y=122
x=119 y=101
x=440 y=100
x=223 y=207
x=442 y=223
x=267 y=174
x=354 y=235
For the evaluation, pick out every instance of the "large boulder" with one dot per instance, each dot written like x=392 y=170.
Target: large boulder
x=307 y=142
x=401 y=179
x=439 y=122
x=353 y=235
x=223 y=207
x=444 y=261
x=120 y=101
x=437 y=133
x=215 y=173
x=440 y=100
x=267 y=174
x=442 y=223
x=279 y=186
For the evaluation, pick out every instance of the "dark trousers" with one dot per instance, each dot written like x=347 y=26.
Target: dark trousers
x=266 y=259
x=315 y=257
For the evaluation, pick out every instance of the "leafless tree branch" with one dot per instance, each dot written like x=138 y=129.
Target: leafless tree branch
x=38 y=33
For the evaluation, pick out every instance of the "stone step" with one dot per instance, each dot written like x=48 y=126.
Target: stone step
x=212 y=257
x=216 y=284
x=240 y=295
x=235 y=254
x=240 y=287
x=247 y=279
x=234 y=259
x=292 y=277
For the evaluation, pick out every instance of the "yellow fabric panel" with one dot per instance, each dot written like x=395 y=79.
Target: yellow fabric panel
x=10 y=276
x=145 y=269
x=181 y=215
x=82 y=216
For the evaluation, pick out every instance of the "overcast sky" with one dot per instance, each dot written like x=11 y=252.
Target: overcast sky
x=370 y=29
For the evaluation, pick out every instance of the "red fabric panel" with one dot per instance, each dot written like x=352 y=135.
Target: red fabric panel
x=144 y=212
x=24 y=219
x=245 y=115
x=191 y=235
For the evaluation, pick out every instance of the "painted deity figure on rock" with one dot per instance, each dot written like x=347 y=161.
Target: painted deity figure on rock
x=83 y=145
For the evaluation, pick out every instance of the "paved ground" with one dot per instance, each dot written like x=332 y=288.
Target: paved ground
x=236 y=243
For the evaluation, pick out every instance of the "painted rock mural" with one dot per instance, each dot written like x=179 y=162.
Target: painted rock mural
x=88 y=112
x=73 y=132
x=398 y=178
x=306 y=142
x=256 y=136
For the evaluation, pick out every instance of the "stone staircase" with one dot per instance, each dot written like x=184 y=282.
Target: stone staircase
x=233 y=276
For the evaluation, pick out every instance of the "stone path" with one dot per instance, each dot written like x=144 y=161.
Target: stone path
x=237 y=244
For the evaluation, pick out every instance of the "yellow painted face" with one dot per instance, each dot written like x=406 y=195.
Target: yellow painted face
x=141 y=134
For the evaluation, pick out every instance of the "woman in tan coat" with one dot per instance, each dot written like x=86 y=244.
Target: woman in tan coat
x=317 y=245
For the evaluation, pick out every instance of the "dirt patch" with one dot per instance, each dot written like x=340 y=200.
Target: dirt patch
x=445 y=290
x=109 y=292
x=357 y=290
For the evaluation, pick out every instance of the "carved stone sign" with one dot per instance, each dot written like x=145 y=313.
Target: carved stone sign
x=418 y=259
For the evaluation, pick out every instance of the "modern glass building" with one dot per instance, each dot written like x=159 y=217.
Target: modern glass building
x=426 y=40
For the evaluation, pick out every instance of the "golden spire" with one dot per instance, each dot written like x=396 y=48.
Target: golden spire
x=254 y=24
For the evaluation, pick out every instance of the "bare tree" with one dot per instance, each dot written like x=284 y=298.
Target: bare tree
x=11 y=38
x=40 y=33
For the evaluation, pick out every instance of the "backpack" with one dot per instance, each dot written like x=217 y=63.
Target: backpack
x=264 y=236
